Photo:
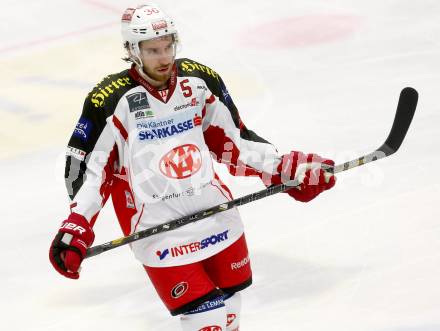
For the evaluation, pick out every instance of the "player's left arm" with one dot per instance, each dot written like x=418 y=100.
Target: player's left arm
x=247 y=154
x=243 y=151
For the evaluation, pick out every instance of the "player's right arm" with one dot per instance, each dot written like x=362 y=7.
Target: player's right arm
x=90 y=158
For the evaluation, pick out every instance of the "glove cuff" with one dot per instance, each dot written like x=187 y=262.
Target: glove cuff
x=286 y=168
x=80 y=229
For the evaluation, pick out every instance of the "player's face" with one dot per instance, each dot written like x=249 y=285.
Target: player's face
x=158 y=57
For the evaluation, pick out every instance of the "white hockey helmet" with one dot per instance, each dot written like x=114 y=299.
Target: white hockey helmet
x=145 y=22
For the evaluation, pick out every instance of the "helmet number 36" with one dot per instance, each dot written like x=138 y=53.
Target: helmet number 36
x=151 y=11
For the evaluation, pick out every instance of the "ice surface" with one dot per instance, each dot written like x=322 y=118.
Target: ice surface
x=321 y=76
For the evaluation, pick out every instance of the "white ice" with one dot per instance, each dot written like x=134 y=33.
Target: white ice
x=318 y=76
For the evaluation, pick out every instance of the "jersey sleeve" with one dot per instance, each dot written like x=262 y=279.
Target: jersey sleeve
x=231 y=142
x=90 y=159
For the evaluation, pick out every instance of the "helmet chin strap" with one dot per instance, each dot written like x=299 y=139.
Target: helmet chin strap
x=134 y=55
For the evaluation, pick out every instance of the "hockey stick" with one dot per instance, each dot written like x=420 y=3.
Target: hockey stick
x=402 y=120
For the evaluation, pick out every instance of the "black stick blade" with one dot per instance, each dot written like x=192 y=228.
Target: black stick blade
x=404 y=115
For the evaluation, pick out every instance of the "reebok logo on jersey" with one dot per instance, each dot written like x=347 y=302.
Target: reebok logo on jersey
x=240 y=264
x=193 y=247
x=137 y=101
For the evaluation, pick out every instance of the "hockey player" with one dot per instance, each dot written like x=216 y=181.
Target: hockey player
x=147 y=136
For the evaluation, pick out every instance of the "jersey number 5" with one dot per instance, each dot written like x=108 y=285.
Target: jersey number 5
x=187 y=91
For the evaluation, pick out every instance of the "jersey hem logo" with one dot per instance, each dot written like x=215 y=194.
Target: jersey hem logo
x=193 y=247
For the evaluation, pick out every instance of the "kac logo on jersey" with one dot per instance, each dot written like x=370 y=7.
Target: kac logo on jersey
x=137 y=101
x=181 y=162
x=83 y=128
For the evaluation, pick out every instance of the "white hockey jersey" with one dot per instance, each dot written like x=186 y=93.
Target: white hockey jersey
x=155 y=157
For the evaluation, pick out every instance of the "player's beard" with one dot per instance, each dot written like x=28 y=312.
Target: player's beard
x=159 y=76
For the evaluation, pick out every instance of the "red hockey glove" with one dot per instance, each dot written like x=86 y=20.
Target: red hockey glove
x=307 y=169
x=69 y=247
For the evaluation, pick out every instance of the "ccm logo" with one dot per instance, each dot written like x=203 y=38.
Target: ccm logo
x=74 y=227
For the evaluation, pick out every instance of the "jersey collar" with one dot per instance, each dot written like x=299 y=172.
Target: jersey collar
x=150 y=88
